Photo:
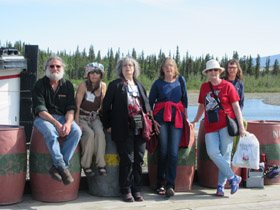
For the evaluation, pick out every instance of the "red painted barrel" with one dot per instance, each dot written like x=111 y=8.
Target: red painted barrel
x=185 y=168
x=207 y=171
x=12 y=164
x=268 y=134
x=43 y=187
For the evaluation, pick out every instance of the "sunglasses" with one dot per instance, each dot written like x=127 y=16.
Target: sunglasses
x=95 y=71
x=57 y=66
x=212 y=70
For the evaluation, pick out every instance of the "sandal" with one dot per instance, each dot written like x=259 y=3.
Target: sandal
x=88 y=172
x=102 y=171
x=161 y=191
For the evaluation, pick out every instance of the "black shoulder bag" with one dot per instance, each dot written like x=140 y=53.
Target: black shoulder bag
x=232 y=124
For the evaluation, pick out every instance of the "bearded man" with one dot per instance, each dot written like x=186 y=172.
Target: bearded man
x=54 y=108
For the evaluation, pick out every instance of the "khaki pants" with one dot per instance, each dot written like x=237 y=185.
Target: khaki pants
x=92 y=142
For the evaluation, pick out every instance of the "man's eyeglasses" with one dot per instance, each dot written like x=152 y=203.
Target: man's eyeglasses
x=95 y=71
x=212 y=70
x=57 y=66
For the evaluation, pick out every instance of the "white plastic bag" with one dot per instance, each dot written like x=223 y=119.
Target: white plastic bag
x=247 y=154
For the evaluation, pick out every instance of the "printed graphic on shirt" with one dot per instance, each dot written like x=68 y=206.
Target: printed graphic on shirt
x=210 y=102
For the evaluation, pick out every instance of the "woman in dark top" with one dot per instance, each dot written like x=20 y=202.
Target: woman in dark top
x=234 y=75
x=89 y=99
x=169 y=109
x=124 y=99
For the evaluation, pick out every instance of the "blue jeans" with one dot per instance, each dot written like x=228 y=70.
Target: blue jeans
x=169 y=140
x=61 y=156
x=219 y=147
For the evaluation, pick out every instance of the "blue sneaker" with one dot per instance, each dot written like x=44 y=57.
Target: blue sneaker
x=220 y=190
x=235 y=184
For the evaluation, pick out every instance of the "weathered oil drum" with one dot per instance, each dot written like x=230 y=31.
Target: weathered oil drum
x=12 y=164
x=207 y=171
x=268 y=134
x=106 y=185
x=185 y=168
x=43 y=187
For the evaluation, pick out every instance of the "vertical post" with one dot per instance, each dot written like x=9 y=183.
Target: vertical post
x=27 y=79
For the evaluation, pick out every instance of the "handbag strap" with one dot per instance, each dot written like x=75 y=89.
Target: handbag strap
x=183 y=99
x=219 y=103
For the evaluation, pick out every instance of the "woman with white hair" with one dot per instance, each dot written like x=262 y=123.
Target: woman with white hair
x=121 y=116
x=89 y=99
x=217 y=139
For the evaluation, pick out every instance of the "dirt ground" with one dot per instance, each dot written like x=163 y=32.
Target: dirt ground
x=269 y=98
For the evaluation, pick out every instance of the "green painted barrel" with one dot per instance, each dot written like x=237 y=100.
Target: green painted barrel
x=185 y=168
x=107 y=185
x=43 y=187
x=268 y=134
x=207 y=171
x=12 y=164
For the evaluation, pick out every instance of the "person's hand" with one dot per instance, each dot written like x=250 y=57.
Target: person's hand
x=109 y=130
x=193 y=124
x=157 y=126
x=59 y=129
x=66 y=128
x=242 y=131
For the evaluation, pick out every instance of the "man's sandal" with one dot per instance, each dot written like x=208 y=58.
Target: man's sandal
x=161 y=191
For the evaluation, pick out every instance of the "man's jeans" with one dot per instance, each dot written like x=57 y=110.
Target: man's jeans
x=219 y=146
x=61 y=156
x=169 y=140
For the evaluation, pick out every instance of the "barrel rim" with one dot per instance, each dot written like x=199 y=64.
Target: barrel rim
x=265 y=122
x=4 y=127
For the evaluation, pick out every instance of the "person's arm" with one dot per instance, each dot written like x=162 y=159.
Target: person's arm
x=79 y=98
x=199 y=113
x=241 y=95
x=48 y=117
x=107 y=107
x=69 y=117
x=152 y=99
x=238 y=115
x=103 y=87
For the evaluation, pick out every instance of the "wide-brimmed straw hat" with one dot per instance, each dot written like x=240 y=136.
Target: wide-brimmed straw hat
x=212 y=64
x=93 y=66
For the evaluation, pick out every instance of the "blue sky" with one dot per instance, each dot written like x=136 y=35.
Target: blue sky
x=217 y=27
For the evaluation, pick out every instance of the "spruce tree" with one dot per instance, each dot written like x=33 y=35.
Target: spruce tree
x=267 y=65
x=258 y=65
x=275 y=70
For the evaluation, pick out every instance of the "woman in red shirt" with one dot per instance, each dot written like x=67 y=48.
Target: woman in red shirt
x=217 y=140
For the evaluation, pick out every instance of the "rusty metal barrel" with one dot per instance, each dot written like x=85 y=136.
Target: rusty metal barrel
x=12 y=164
x=185 y=168
x=43 y=187
x=268 y=134
x=207 y=171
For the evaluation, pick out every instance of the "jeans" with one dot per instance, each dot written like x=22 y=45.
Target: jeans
x=219 y=147
x=131 y=152
x=61 y=156
x=169 y=140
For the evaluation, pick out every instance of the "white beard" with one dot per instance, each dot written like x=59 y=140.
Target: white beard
x=58 y=76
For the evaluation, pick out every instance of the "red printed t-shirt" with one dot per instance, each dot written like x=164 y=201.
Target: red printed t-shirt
x=227 y=94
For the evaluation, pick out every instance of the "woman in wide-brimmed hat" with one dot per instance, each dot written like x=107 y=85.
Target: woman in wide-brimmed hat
x=218 y=141
x=89 y=99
